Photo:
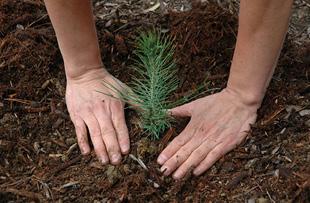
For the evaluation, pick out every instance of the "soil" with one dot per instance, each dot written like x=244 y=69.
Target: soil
x=39 y=157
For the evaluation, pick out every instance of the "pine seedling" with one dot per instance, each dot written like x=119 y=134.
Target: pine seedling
x=154 y=81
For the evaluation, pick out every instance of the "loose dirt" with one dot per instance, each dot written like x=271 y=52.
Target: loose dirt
x=39 y=158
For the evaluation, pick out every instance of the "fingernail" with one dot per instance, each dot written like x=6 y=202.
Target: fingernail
x=161 y=159
x=164 y=170
x=125 y=148
x=176 y=175
x=196 y=172
x=115 y=158
x=83 y=151
x=104 y=161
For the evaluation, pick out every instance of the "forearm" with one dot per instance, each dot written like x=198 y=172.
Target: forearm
x=76 y=35
x=262 y=28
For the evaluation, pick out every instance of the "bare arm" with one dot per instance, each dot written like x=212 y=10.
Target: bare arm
x=89 y=110
x=76 y=35
x=262 y=29
x=221 y=121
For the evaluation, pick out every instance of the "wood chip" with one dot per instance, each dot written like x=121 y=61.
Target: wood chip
x=152 y=8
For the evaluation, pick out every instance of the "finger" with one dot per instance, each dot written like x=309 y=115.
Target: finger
x=176 y=144
x=182 y=111
x=119 y=123
x=185 y=151
x=195 y=158
x=180 y=156
x=215 y=154
x=95 y=135
x=81 y=134
x=108 y=133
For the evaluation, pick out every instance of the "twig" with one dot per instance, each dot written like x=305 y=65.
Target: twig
x=140 y=162
x=22 y=101
x=269 y=196
x=70 y=184
x=244 y=193
x=24 y=193
x=39 y=19
x=64 y=166
x=234 y=182
x=263 y=191
x=45 y=185
x=272 y=116
x=14 y=183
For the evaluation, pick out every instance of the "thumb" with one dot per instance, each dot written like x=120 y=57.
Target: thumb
x=182 y=111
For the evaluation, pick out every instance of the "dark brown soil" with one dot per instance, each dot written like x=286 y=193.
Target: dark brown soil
x=39 y=158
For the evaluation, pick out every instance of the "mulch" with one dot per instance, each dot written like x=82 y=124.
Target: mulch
x=39 y=157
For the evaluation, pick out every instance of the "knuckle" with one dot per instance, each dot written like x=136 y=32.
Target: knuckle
x=199 y=153
x=96 y=133
x=117 y=104
x=112 y=148
x=81 y=140
x=184 y=152
x=98 y=149
x=97 y=104
x=79 y=130
x=170 y=165
x=216 y=153
x=108 y=132
x=86 y=108
x=179 y=141
x=122 y=132
x=118 y=124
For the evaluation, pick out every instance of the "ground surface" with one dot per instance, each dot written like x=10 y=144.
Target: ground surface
x=39 y=158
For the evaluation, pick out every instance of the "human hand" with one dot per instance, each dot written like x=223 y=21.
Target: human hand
x=101 y=114
x=218 y=124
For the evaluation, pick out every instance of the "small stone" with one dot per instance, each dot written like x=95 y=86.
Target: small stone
x=262 y=200
x=289 y=108
x=58 y=123
x=228 y=167
x=36 y=147
x=307 y=123
x=20 y=27
x=126 y=169
x=252 y=200
x=70 y=141
x=253 y=148
x=250 y=163
x=275 y=150
x=145 y=148
x=156 y=185
x=109 y=23
x=113 y=174
x=304 y=112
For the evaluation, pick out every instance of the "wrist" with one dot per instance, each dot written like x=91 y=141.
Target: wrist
x=78 y=69
x=79 y=63
x=249 y=99
x=84 y=73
